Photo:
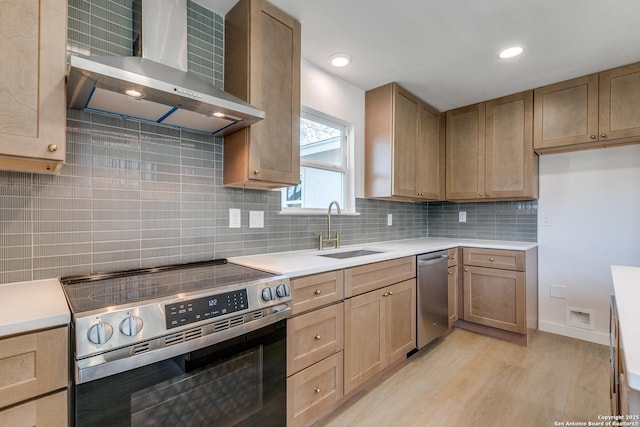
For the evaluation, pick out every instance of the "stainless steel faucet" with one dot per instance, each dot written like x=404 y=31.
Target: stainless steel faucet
x=330 y=239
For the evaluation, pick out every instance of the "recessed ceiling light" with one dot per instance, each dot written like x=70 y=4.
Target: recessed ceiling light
x=340 y=59
x=133 y=93
x=511 y=52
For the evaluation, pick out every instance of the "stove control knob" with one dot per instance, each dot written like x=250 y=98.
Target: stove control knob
x=267 y=294
x=283 y=290
x=131 y=326
x=100 y=333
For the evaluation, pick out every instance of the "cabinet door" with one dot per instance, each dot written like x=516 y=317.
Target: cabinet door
x=49 y=411
x=262 y=65
x=465 y=150
x=429 y=156
x=313 y=336
x=404 y=144
x=452 y=283
x=566 y=113
x=363 y=349
x=32 y=88
x=399 y=321
x=495 y=298
x=620 y=103
x=33 y=364
x=509 y=147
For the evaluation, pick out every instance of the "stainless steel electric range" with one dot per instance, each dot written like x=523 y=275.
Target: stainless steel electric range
x=192 y=345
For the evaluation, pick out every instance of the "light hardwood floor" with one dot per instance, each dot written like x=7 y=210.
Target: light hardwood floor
x=466 y=379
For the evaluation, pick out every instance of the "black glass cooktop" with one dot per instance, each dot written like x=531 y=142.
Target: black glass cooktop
x=92 y=292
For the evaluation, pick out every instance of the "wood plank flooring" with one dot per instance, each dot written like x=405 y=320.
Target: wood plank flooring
x=466 y=379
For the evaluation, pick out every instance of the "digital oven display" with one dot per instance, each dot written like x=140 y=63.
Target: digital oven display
x=204 y=308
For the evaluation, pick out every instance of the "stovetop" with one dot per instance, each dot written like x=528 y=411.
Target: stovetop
x=94 y=292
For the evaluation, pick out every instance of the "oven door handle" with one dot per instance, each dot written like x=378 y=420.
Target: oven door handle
x=124 y=359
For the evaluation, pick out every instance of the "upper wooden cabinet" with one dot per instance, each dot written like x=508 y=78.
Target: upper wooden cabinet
x=32 y=89
x=490 y=151
x=262 y=67
x=588 y=112
x=404 y=146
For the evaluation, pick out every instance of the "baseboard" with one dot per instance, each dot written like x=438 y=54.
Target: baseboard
x=569 y=331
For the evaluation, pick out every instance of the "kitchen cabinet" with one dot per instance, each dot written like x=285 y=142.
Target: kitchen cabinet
x=404 y=146
x=452 y=285
x=368 y=277
x=315 y=342
x=262 y=67
x=500 y=292
x=34 y=371
x=380 y=324
x=33 y=99
x=588 y=112
x=489 y=150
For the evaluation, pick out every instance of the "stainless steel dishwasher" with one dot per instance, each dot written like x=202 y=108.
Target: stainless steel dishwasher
x=433 y=297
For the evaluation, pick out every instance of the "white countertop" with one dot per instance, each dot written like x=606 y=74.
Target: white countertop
x=28 y=306
x=626 y=287
x=302 y=263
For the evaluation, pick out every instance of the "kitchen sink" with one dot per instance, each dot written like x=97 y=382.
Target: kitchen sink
x=351 y=254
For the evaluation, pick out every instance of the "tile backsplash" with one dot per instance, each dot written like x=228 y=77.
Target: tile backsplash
x=134 y=194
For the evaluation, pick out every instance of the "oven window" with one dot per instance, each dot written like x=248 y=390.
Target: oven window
x=240 y=382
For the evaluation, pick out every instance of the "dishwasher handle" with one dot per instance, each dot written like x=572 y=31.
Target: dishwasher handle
x=432 y=258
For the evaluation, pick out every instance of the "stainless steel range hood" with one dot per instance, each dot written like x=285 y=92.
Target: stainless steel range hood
x=168 y=94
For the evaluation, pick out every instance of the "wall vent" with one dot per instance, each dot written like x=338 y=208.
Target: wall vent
x=581 y=318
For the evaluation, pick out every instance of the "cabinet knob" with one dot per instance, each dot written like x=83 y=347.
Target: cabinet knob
x=453 y=257
x=466 y=269
x=480 y=194
x=449 y=273
x=256 y=172
x=593 y=137
x=385 y=294
x=317 y=292
x=390 y=292
x=486 y=194
x=317 y=337
x=603 y=135
x=317 y=390
x=52 y=148
x=491 y=259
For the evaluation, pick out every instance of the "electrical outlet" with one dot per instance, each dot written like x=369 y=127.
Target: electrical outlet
x=389 y=220
x=462 y=217
x=234 y=218
x=546 y=221
x=256 y=219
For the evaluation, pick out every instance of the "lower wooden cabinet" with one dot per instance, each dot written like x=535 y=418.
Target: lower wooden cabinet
x=313 y=390
x=380 y=329
x=495 y=298
x=500 y=292
x=34 y=364
x=452 y=284
x=47 y=411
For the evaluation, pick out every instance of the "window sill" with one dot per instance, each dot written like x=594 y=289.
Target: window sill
x=311 y=211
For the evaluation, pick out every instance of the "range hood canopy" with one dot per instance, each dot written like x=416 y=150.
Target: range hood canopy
x=164 y=92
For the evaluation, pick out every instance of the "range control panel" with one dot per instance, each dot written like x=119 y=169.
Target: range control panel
x=203 y=308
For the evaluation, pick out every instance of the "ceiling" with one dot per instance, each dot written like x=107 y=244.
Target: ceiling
x=446 y=51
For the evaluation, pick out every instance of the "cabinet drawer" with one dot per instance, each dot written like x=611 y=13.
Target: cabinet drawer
x=494 y=258
x=311 y=292
x=50 y=411
x=313 y=336
x=33 y=364
x=453 y=257
x=314 y=390
x=369 y=277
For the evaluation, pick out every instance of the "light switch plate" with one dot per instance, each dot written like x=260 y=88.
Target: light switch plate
x=234 y=218
x=462 y=217
x=256 y=219
x=389 y=219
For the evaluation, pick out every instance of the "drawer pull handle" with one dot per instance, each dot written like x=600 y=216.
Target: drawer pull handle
x=385 y=294
x=491 y=259
x=450 y=273
x=317 y=337
x=593 y=137
x=466 y=269
x=317 y=390
x=52 y=148
x=390 y=292
x=317 y=292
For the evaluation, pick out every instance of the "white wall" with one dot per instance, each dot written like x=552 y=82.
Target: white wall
x=588 y=219
x=331 y=95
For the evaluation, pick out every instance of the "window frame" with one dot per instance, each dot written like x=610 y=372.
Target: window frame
x=346 y=169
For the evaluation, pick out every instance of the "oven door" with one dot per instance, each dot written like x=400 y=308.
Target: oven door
x=238 y=382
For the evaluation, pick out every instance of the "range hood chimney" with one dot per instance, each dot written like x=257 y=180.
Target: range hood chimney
x=155 y=85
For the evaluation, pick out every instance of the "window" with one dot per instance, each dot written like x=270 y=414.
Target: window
x=324 y=172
